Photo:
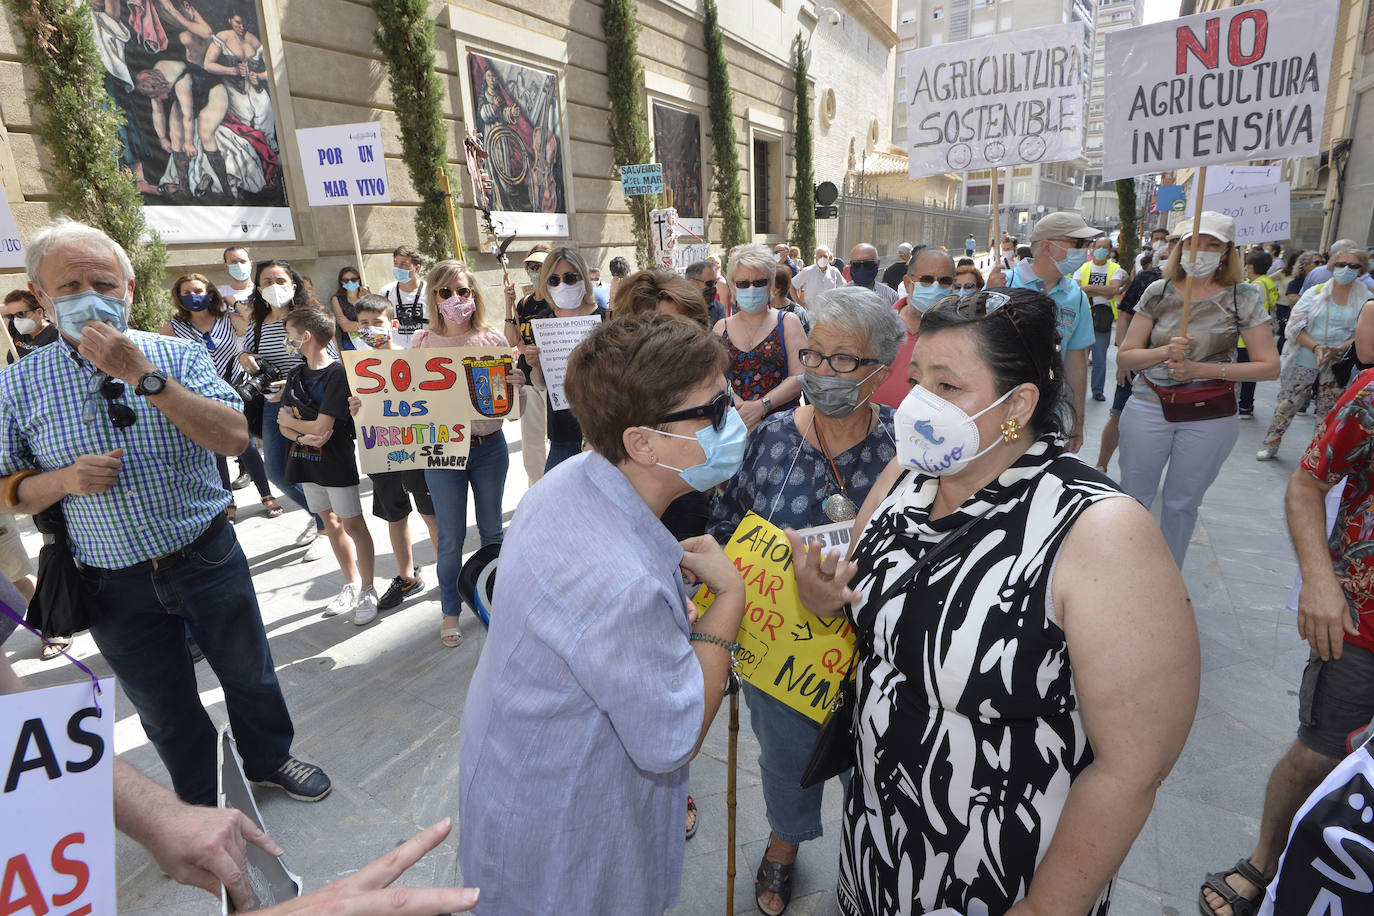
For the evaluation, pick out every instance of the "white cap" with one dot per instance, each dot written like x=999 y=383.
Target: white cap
x=1217 y=225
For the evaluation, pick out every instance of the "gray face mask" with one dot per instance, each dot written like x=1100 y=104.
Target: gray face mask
x=834 y=397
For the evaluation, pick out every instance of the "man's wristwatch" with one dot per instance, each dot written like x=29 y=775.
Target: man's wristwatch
x=152 y=383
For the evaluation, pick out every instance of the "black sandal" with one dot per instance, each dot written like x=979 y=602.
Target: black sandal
x=773 y=878
x=1240 y=904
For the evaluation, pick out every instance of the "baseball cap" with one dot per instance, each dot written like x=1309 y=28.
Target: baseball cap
x=1217 y=225
x=1064 y=224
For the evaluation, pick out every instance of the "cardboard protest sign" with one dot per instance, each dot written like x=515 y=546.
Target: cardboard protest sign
x=268 y=877
x=1246 y=82
x=556 y=338
x=663 y=232
x=57 y=807
x=1261 y=214
x=11 y=245
x=786 y=651
x=641 y=179
x=418 y=404
x=1009 y=99
x=344 y=164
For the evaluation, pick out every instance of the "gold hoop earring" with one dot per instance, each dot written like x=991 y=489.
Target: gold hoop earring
x=1011 y=430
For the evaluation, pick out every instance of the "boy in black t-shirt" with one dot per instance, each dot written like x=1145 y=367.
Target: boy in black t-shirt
x=315 y=417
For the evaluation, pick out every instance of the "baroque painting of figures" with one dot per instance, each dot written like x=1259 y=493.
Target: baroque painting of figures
x=191 y=80
x=519 y=125
x=677 y=146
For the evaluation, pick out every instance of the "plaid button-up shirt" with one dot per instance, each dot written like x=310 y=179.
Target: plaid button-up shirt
x=168 y=492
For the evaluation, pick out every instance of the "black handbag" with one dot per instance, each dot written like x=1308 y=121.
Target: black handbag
x=59 y=606
x=252 y=407
x=833 y=752
x=1348 y=366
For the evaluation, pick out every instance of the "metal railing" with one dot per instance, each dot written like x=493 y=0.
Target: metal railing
x=885 y=224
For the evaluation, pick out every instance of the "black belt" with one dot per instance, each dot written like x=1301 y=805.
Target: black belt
x=165 y=561
x=478 y=440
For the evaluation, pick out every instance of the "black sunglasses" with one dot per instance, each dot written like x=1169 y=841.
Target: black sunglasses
x=972 y=286
x=927 y=279
x=446 y=292
x=715 y=410
x=569 y=278
x=121 y=416
x=839 y=362
x=757 y=284
x=22 y=312
x=863 y=264
x=209 y=343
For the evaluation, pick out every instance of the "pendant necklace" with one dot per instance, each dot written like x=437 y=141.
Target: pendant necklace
x=838 y=507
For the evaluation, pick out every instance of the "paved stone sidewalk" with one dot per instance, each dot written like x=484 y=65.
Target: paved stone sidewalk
x=380 y=708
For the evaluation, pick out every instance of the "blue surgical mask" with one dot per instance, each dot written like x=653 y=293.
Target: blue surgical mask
x=1100 y=254
x=1345 y=275
x=401 y=274
x=195 y=302
x=724 y=450
x=923 y=296
x=72 y=312
x=239 y=271
x=1074 y=258
x=351 y=285
x=752 y=299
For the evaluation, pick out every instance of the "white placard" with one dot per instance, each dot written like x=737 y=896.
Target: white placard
x=238 y=225
x=1008 y=99
x=1261 y=214
x=1246 y=82
x=1234 y=177
x=57 y=803
x=684 y=256
x=663 y=230
x=344 y=164
x=11 y=245
x=556 y=339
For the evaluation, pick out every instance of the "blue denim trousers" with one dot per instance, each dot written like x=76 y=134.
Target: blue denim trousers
x=560 y=452
x=140 y=626
x=785 y=741
x=274 y=449
x=486 y=474
x=1102 y=342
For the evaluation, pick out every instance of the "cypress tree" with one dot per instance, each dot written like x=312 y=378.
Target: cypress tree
x=804 y=189
x=725 y=167
x=629 y=121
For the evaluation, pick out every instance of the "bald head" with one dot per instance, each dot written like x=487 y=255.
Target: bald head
x=863 y=252
x=933 y=262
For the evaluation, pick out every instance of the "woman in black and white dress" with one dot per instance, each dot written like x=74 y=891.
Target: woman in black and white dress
x=202 y=315
x=1027 y=663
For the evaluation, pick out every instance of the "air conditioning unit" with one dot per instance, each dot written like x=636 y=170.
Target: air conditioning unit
x=1305 y=173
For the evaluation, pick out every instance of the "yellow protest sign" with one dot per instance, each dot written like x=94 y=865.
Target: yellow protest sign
x=417 y=405
x=785 y=650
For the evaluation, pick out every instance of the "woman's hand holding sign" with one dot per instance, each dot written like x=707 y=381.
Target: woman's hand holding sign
x=822 y=579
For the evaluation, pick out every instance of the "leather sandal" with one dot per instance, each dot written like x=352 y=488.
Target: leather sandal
x=273 y=507
x=773 y=878
x=451 y=635
x=1240 y=904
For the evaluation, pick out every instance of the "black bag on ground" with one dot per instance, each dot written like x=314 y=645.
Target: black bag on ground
x=59 y=606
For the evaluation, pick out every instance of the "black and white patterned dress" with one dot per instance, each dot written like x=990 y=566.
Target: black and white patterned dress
x=967 y=722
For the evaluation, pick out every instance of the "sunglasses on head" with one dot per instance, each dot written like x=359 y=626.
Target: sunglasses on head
x=570 y=278
x=757 y=284
x=448 y=292
x=714 y=410
x=121 y=416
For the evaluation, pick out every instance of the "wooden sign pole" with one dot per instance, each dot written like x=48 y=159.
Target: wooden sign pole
x=730 y=805
x=357 y=244
x=452 y=216
x=1199 y=184
x=994 y=246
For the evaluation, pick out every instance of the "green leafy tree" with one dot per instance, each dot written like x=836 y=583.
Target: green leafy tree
x=79 y=128
x=1129 y=242
x=804 y=189
x=405 y=36
x=725 y=167
x=629 y=120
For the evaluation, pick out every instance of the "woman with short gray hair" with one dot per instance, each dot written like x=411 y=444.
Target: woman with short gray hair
x=803 y=468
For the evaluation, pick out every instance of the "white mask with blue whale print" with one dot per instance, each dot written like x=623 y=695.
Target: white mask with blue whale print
x=934 y=436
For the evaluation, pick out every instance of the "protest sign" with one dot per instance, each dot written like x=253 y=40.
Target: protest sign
x=344 y=164
x=685 y=256
x=786 y=651
x=268 y=879
x=57 y=808
x=641 y=179
x=1008 y=99
x=1246 y=82
x=556 y=338
x=417 y=405
x=1261 y=214
x=663 y=232
x=1233 y=177
x=11 y=245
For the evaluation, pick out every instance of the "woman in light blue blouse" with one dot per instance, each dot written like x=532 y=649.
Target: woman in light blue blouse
x=597 y=684
x=807 y=467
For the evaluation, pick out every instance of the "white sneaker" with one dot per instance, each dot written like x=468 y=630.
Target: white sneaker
x=318 y=550
x=366 y=610
x=345 y=601
x=308 y=535
x=1267 y=454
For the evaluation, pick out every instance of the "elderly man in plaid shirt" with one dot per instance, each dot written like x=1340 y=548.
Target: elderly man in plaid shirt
x=121 y=426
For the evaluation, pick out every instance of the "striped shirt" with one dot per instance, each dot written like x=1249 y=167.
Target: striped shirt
x=272 y=347
x=221 y=343
x=168 y=489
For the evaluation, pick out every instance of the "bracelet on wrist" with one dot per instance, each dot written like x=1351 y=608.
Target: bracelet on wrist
x=12 y=486
x=733 y=647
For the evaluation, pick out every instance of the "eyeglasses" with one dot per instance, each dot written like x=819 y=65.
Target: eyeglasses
x=715 y=410
x=448 y=292
x=1075 y=243
x=1338 y=264
x=927 y=279
x=868 y=264
x=569 y=278
x=352 y=280
x=22 y=312
x=972 y=286
x=839 y=362
x=121 y=416
x=757 y=284
x=709 y=284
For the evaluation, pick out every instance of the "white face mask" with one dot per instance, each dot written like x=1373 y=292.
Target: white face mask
x=934 y=436
x=25 y=326
x=823 y=263
x=567 y=296
x=1202 y=266
x=277 y=294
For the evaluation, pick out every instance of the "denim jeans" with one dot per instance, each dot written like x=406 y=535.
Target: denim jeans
x=1102 y=342
x=785 y=741
x=252 y=463
x=1246 y=400
x=274 y=449
x=560 y=452
x=140 y=627
x=486 y=474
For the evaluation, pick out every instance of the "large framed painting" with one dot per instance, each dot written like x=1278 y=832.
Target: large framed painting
x=200 y=133
x=677 y=146
x=518 y=119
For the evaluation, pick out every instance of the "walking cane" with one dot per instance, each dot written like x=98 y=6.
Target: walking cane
x=732 y=686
